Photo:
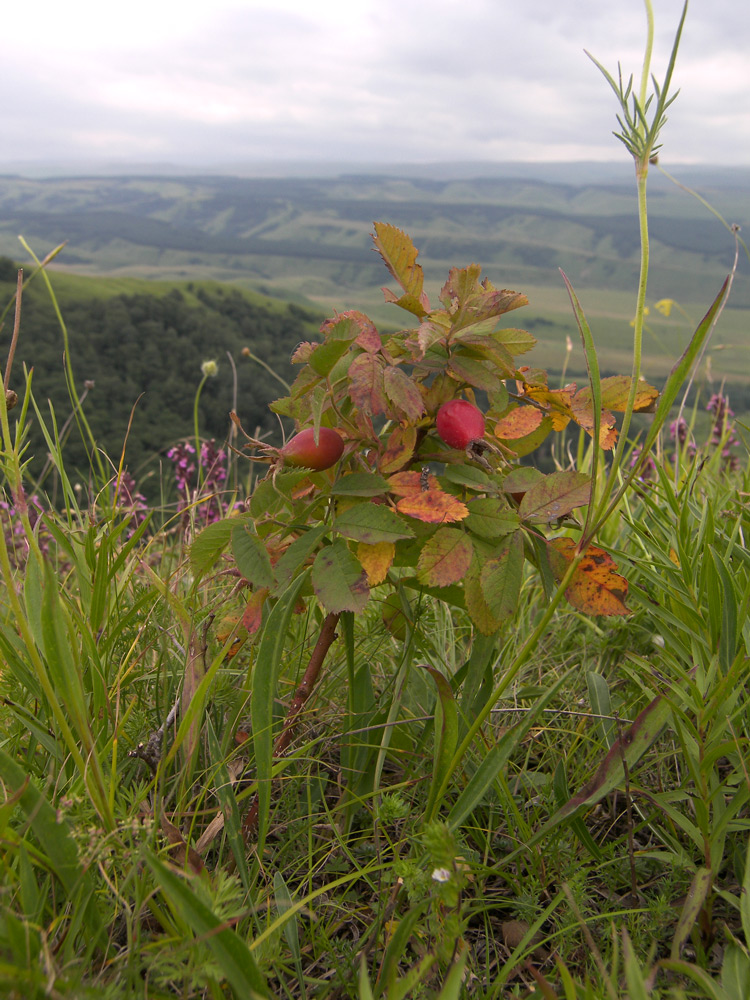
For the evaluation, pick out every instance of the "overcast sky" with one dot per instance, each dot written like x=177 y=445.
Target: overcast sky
x=405 y=81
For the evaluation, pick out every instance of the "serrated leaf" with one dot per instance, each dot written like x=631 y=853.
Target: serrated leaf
x=360 y=484
x=403 y=394
x=338 y=579
x=400 y=257
x=596 y=588
x=433 y=506
x=556 y=495
x=366 y=384
x=252 y=616
x=491 y=518
x=519 y=423
x=522 y=479
x=297 y=554
x=372 y=523
x=501 y=578
x=445 y=558
x=252 y=558
x=377 y=560
x=403 y=484
x=470 y=476
x=515 y=341
x=475 y=373
x=399 y=449
x=476 y=603
x=615 y=391
x=325 y=356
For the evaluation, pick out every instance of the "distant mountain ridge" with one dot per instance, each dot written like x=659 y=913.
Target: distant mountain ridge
x=307 y=238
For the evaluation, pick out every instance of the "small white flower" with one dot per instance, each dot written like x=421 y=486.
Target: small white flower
x=210 y=369
x=441 y=875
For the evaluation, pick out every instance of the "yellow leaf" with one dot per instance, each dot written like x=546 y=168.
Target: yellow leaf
x=376 y=560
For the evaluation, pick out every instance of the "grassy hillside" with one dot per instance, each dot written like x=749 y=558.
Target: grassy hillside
x=308 y=239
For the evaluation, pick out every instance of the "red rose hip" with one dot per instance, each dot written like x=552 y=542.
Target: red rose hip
x=301 y=451
x=460 y=423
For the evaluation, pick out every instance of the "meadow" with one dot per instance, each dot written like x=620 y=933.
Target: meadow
x=389 y=709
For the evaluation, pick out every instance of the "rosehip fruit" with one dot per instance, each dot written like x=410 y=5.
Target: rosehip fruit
x=459 y=423
x=301 y=451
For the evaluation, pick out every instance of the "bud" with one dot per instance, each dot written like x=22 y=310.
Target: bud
x=209 y=369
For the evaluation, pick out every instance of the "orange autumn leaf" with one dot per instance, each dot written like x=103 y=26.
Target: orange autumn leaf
x=596 y=587
x=518 y=423
x=376 y=560
x=253 y=613
x=432 y=506
x=399 y=449
x=403 y=484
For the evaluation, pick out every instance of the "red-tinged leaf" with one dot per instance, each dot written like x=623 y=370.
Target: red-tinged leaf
x=372 y=523
x=338 y=579
x=302 y=352
x=615 y=391
x=403 y=393
x=433 y=506
x=252 y=616
x=434 y=330
x=478 y=374
x=596 y=587
x=501 y=577
x=582 y=410
x=377 y=560
x=520 y=422
x=522 y=479
x=399 y=450
x=404 y=484
x=366 y=386
x=556 y=495
x=345 y=326
x=461 y=286
x=445 y=558
x=530 y=442
x=400 y=257
x=353 y=321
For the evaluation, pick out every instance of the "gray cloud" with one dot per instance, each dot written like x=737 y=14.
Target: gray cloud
x=409 y=80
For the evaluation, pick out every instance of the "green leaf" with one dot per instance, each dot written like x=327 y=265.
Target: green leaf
x=298 y=553
x=372 y=523
x=55 y=838
x=445 y=558
x=360 y=484
x=264 y=680
x=478 y=374
x=325 y=356
x=251 y=557
x=446 y=735
x=696 y=897
x=339 y=582
x=232 y=954
x=491 y=518
x=556 y=495
x=501 y=577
